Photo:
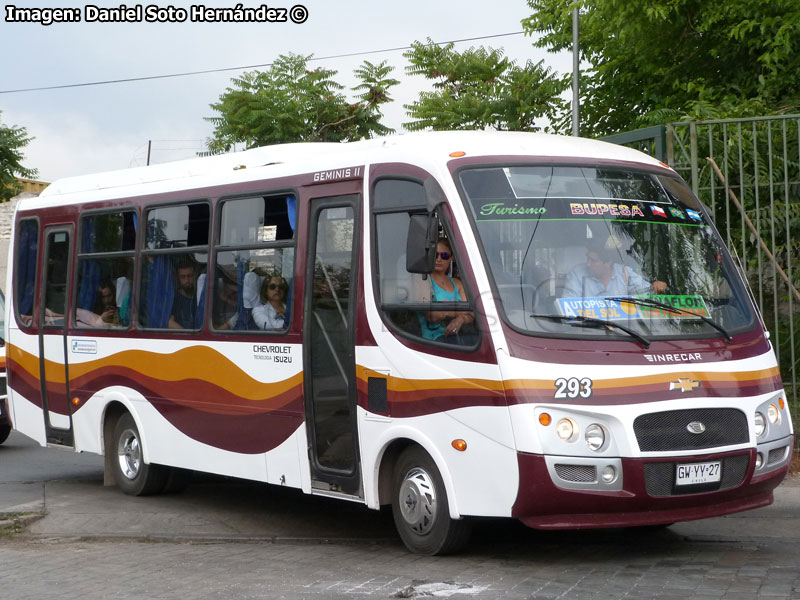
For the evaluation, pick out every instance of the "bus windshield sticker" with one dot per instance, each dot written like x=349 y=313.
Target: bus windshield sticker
x=691 y=306
x=558 y=209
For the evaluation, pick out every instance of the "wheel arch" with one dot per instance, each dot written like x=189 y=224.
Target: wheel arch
x=118 y=403
x=387 y=458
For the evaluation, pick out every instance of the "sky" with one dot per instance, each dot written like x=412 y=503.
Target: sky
x=90 y=129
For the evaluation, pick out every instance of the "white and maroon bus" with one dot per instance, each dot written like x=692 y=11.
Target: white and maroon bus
x=285 y=315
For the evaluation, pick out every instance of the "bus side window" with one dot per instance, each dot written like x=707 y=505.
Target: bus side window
x=104 y=282
x=27 y=251
x=254 y=264
x=401 y=293
x=173 y=294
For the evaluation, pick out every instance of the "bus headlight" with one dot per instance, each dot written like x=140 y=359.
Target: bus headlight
x=773 y=414
x=595 y=437
x=760 y=424
x=567 y=430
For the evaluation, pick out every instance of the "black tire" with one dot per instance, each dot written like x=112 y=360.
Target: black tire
x=132 y=474
x=177 y=480
x=5 y=431
x=420 y=508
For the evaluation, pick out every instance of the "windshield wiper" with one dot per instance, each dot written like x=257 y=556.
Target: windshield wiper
x=669 y=308
x=564 y=318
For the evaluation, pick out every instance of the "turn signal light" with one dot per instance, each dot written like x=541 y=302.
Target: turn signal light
x=76 y=401
x=545 y=419
x=459 y=445
x=458 y=154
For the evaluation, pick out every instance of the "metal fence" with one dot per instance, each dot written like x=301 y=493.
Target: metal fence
x=759 y=163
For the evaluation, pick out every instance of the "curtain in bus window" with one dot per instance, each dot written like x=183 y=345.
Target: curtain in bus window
x=200 y=309
x=243 y=316
x=160 y=292
x=291 y=210
x=90 y=270
x=123 y=299
x=26 y=266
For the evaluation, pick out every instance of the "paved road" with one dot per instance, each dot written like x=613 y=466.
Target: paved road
x=232 y=539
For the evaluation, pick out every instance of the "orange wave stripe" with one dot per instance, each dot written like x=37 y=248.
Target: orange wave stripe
x=399 y=384
x=709 y=376
x=195 y=362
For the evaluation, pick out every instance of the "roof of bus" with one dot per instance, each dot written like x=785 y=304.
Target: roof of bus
x=309 y=157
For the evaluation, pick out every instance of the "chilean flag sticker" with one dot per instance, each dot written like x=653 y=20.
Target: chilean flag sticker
x=658 y=211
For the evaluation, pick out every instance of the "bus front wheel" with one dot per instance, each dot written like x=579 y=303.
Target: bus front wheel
x=132 y=474
x=420 y=508
x=5 y=431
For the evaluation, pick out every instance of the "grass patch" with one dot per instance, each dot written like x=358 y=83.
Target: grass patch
x=13 y=523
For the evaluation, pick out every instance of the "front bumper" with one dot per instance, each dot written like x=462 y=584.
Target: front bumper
x=646 y=493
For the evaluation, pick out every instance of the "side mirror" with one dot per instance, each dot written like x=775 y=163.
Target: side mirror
x=421 y=244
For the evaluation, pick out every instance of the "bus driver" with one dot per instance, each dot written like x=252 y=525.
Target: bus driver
x=600 y=276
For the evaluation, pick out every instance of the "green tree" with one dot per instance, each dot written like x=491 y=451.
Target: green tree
x=662 y=60
x=480 y=88
x=290 y=103
x=12 y=141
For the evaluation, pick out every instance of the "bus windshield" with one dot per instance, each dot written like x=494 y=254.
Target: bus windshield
x=603 y=251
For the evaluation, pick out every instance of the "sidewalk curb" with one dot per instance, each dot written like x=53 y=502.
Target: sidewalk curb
x=12 y=522
x=207 y=539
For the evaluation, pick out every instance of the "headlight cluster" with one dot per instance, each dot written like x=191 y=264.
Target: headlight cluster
x=568 y=430
x=772 y=417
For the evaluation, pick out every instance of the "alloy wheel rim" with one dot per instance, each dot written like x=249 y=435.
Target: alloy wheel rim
x=418 y=501
x=129 y=454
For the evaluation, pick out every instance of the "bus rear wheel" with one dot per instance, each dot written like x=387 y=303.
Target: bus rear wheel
x=5 y=431
x=420 y=508
x=132 y=474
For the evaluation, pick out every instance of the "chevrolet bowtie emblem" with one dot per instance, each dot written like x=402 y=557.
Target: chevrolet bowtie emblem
x=684 y=384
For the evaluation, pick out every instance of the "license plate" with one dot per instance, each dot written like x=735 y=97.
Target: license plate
x=694 y=473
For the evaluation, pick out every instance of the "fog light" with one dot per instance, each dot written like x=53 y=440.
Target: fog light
x=759 y=460
x=567 y=429
x=609 y=474
x=595 y=437
x=773 y=414
x=760 y=424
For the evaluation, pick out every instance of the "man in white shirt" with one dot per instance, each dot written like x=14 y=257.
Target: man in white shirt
x=600 y=276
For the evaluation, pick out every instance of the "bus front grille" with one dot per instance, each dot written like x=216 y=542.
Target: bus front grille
x=659 y=478
x=777 y=455
x=577 y=473
x=671 y=430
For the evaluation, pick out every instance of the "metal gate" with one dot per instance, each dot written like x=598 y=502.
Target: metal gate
x=759 y=166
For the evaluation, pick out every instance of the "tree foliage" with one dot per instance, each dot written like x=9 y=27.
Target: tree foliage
x=290 y=103
x=12 y=141
x=480 y=88
x=670 y=59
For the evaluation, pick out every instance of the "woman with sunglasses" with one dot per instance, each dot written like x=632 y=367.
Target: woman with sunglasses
x=440 y=325
x=272 y=313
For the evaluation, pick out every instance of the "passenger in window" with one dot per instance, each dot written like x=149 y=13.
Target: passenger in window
x=439 y=325
x=107 y=303
x=105 y=313
x=601 y=276
x=271 y=314
x=226 y=304
x=184 y=306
